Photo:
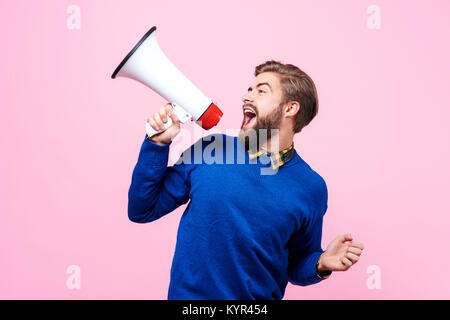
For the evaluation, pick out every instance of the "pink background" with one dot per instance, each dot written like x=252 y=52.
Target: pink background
x=70 y=136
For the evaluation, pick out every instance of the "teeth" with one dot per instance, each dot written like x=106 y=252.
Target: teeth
x=250 y=112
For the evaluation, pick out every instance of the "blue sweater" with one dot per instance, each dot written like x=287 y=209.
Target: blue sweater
x=244 y=234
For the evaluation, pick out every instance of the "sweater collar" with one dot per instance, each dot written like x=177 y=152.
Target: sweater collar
x=277 y=159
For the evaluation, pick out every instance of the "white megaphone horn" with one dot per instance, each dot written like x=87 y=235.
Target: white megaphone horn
x=147 y=63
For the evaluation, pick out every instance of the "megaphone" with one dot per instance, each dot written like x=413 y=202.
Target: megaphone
x=147 y=64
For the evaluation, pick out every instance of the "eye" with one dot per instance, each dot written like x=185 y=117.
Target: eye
x=261 y=91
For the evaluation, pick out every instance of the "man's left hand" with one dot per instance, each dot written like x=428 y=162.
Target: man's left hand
x=341 y=254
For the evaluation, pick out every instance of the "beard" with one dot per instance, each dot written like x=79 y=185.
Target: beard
x=254 y=137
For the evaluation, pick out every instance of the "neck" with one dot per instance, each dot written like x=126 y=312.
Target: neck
x=278 y=142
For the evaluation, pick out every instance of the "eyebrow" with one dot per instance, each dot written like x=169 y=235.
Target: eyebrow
x=260 y=84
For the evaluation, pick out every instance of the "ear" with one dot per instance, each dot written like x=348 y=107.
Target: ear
x=291 y=108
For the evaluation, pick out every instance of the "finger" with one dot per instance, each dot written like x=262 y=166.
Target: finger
x=174 y=117
x=168 y=107
x=354 y=250
x=352 y=257
x=357 y=245
x=163 y=113
x=158 y=121
x=347 y=237
x=153 y=124
x=346 y=262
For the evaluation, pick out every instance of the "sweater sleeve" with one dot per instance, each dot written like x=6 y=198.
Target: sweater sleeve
x=156 y=189
x=305 y=247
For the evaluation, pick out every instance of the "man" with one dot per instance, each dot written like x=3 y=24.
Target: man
x=244 y=234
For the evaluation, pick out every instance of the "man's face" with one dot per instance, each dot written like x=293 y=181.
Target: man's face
x=262 y=108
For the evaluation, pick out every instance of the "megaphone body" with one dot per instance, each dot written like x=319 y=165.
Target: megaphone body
x=148 y=64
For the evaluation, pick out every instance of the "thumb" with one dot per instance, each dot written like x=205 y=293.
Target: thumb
x=173 y=116
x=347 y=237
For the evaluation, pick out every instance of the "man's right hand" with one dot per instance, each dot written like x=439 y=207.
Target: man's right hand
x=157 y=123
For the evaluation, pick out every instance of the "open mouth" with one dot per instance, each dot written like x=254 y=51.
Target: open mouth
x=249 y=117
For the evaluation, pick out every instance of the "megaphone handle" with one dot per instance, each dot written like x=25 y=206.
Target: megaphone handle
x=182 y=115
x=151 y=132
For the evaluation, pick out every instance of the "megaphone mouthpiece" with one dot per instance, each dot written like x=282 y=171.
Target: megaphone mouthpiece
x=210 y=117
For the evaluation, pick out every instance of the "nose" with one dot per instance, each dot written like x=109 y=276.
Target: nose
x=247 y=97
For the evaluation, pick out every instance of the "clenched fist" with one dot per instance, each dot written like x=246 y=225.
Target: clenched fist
x=157 y=122
x=341 y=254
